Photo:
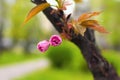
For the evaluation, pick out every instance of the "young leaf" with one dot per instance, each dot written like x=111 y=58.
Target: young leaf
x=87 y=16
x=78 y=28
x=68 y=17
x=94 y=25
x=78 y=1
x=84 y=22
x=35 y=10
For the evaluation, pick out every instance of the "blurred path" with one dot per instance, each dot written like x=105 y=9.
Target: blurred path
x=20 y=69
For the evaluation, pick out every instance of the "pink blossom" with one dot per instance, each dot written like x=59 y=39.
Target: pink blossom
x=55 y=40
x=43 y=45
x=65 y=4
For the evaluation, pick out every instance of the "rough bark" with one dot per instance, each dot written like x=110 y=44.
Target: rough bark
x=99 y=67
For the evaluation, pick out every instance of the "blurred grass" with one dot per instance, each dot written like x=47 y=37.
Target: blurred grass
x=76 y=70
x=11 y=57
x=57 y=74
x=66 y=74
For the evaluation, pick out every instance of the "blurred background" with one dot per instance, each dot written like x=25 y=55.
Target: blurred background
x=65 y=62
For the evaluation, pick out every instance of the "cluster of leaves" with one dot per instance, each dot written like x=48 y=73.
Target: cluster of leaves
x=79 y=26
x=84 y=22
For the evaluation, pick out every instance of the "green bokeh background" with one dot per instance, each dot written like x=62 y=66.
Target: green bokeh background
x=18 y=43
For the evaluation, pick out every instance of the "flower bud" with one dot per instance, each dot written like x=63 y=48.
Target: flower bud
x=43 y=45
x=55 y=40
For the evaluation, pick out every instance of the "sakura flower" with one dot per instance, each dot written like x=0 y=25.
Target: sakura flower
x=55 y=40
x=43 y=45
x=65 y=4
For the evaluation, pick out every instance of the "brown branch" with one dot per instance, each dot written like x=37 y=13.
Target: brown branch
x=99 y=67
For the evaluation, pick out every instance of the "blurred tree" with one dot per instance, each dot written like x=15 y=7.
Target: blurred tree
x=110 y=19
x=2 y=21
x=28 y=34
x=81 y=6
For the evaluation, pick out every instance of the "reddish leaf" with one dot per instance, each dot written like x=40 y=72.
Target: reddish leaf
x=87 y=16
x=35 y=10
x=94 y=25
x=79 y=29
x=78 y=1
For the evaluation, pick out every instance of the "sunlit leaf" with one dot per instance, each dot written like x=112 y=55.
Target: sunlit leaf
x=94 y=25
x=36 y=10
x=87 y=16
x=62 y=4
x=84 y=22
x=78 y=1
x=79 y=29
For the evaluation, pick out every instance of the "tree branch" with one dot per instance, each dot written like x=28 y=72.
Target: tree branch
x=99 y=67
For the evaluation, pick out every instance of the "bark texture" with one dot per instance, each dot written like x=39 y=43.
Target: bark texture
x=99 y=67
